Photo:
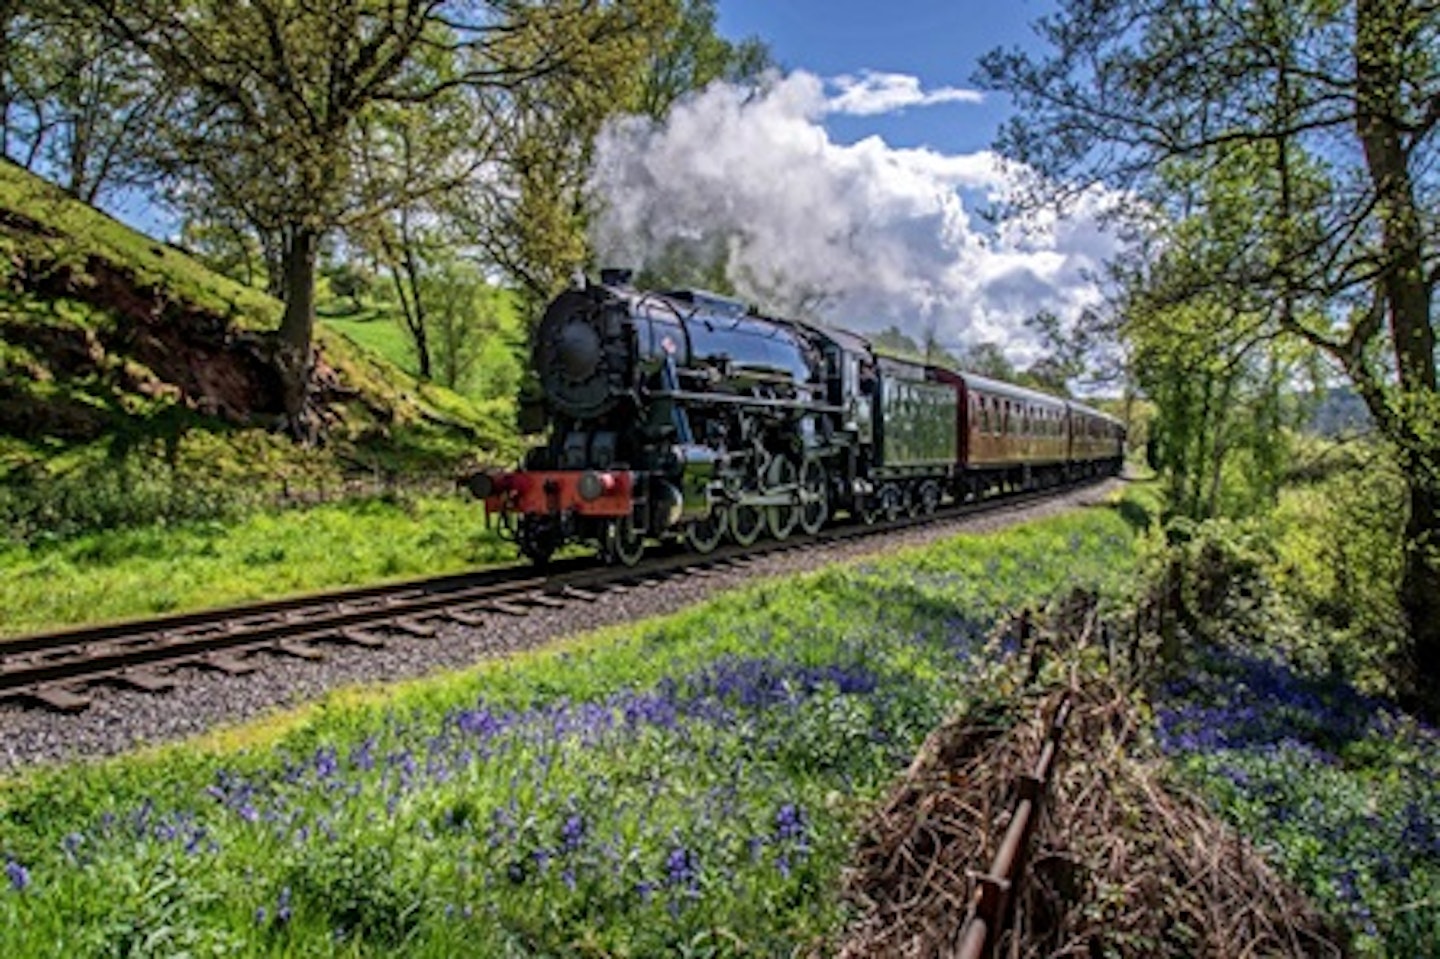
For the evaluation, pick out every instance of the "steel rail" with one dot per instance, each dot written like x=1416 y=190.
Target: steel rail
x=56 y=669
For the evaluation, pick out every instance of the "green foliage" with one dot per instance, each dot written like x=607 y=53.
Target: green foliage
x=73 y=101
x=1339 y=553
x=687 y=785
x=1296 y=146
x=126 y=494
x=650 y=55
x=1313 y=579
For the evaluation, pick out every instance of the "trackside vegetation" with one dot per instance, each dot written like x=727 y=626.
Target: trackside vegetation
x=682 y=786
x=129 y=573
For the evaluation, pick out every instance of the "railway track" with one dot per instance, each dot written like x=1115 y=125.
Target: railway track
x=60 y=670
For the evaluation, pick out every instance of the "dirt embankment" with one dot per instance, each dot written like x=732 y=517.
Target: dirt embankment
x=73 y=381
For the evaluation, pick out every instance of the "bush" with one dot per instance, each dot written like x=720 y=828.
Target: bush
x=1315 y=577
x=127 y=493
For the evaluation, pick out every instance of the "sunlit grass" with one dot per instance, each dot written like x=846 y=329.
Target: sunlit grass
x=378 y=332
x=125 y=574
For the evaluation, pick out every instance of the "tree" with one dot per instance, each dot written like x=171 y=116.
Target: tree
x=987 y=359
x=464 y=314
x=1340 y=102
x=269 y=95
x=1069 y=350
x=686 y=54
x=398 y=147
x=533 y=220
x=73 y=101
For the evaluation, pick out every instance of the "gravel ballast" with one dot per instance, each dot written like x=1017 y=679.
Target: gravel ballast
x=119 y=720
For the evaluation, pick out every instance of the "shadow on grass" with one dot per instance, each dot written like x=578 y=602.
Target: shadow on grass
x=1135 y=515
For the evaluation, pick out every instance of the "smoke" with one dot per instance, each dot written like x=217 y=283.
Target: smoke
x=863 y=235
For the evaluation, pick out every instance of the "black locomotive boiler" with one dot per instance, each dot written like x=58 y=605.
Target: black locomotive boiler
x=684 y=415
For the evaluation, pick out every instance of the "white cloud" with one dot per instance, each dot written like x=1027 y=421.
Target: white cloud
x=878 y=235
x=873 y=92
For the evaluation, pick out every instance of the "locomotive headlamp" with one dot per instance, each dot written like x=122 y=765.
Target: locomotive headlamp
x=594 y=485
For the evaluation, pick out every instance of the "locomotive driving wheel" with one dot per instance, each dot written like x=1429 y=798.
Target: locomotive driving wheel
x=623 y=544
x=746 y=524
x=703 y=535
x=816 y=489
x=781 y=477
x=868 y=506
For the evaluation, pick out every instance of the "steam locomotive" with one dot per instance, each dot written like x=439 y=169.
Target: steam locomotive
x=684 y=415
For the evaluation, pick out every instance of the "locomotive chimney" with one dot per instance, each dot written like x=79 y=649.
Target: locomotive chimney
x=614 y=276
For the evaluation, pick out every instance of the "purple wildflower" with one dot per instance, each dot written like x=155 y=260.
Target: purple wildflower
x=789 y=822
x=18 y=875
x=572 y=834
x=680 y=867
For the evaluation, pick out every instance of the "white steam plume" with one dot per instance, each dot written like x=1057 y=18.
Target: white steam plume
x=876 y=235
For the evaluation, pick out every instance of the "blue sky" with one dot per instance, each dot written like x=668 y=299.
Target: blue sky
x=936 y=41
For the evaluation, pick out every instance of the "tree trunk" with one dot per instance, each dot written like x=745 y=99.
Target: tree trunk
x=1385 y=36
x=297 y=327
x=1420 y=596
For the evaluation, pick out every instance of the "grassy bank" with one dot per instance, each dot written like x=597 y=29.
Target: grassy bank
x=127 y=573
x=688 y=785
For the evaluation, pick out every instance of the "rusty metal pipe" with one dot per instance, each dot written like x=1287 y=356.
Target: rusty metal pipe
x=1014 y=839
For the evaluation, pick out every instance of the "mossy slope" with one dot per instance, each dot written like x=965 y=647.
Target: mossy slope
x=122 y=355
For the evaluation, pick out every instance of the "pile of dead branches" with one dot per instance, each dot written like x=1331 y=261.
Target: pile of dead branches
x=1124 y=863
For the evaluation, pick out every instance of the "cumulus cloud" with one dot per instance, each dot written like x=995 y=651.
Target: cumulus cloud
x=874 y=92
x=864 y=235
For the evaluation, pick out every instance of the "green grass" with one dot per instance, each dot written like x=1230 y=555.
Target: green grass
x=690 y=785
x=497 y=366
x=78 y=232
x=122 y=574
x=379 y=332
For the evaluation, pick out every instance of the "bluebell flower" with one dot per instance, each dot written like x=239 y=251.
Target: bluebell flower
x=327 y=763
x=572 y=834
x=18 y=875
x=680 y=867
x=789 y=822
